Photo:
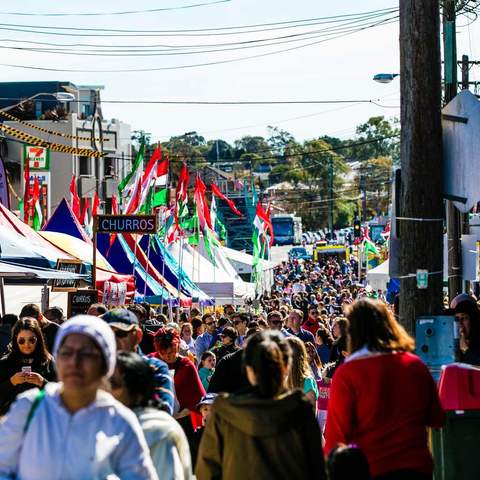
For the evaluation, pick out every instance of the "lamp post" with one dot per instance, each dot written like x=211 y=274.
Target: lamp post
x=385 y=77
x=60 y=96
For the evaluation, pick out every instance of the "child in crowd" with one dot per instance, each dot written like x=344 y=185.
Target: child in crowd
x=347 y=462
x=207 y=368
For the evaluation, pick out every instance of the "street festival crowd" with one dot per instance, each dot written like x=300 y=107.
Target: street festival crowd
x=316 y=380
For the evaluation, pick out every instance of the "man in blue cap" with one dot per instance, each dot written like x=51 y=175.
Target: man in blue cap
x=128 y=336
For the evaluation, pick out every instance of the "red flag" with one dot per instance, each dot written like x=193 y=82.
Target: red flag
x=216 y=191
x=113 y=236
x=86 y=206
x=74 y=198
x=114 y=205
x=266 y=220
x=134 y=202
x=202 y=207
x=96 y=204
x=27 y=190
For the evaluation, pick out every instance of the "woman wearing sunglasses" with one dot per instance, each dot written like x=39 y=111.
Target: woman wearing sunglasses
x=74 y=429
x=27 y=363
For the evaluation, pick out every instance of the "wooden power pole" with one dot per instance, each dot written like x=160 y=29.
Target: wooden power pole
x=420 y=219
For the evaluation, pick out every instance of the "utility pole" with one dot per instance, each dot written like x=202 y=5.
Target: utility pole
x=452 y=214
x=421 y=218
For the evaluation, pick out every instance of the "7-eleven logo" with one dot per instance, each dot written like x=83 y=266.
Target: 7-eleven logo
x=37 y=157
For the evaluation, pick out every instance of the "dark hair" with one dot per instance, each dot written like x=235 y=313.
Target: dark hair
x=222 y=321
x=139 y=311
x=196 y=324
x=206 y=354
x=139 y=379
x=9 y=319
x=342 y=325
x=472 y=310
x=30 y=310
x=100 y=308
x=325 y=335
x=40 y=354
x=56 y=312
x=229 y=332
x=346 y=462
x=372 y=324
x=208 y=315
x=268 y=354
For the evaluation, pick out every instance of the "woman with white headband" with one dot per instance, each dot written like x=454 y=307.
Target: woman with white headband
x=73 y=429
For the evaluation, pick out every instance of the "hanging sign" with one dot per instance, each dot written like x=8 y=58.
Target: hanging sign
x=38 y=158
x=146 y=224
x=114 y=294
x=422 y=279
x=80 y=301
x=67 y=265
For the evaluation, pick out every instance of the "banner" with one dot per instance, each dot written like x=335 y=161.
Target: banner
x=4 y=194
x=114 y=294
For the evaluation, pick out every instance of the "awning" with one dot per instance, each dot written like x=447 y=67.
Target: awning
x=15 y=271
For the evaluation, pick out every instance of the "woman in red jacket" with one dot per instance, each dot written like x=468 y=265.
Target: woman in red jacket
x=383 y=397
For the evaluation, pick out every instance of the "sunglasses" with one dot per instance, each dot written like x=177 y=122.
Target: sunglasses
x=209 y=324
x=23 y=341
x=121 y=333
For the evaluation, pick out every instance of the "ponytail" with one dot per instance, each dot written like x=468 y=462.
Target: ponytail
x=268 y=354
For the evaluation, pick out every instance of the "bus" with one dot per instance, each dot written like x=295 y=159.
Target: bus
x=287 y=229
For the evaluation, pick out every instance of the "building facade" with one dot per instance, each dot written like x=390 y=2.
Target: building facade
x=77 y=123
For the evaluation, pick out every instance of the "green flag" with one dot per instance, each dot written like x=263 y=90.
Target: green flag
x=130 y=178
x=160 y=198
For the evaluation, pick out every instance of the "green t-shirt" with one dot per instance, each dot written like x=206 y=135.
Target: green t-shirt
x=310 y=385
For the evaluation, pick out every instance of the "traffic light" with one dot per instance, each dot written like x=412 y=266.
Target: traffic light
x=357 y=227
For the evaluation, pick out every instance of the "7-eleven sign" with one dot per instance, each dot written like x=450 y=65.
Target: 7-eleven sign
x=38 y=157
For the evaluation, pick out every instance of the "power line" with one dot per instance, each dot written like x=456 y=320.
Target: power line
x=217 y=102
x=203 y=64
x=125 y=12
x=135 y=51
x=326 y=19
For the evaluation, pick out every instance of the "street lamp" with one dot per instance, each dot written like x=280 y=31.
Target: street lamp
x=60 y=96
x=385 y=77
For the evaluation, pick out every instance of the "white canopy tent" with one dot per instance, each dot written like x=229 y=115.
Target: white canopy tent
x=378 y=277
x=243 y=264
x=203 y=272
x=14 y=297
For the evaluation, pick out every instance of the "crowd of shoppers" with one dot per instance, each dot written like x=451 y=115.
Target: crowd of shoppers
x=318 y=380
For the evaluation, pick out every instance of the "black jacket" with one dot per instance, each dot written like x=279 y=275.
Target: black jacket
x=229 y=376
x=9 y=366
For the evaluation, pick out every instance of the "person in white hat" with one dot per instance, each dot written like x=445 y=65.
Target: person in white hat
x=74 y=429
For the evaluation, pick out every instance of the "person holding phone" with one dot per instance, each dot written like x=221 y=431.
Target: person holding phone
x=27 y=363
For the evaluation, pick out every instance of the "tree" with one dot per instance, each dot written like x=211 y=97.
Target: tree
x=279 y=140
x=249 y=144
x=376 y=128
x=218 y=149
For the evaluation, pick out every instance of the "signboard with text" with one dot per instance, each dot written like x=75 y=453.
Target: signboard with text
x=146 y=224
x=79 y=301
x=66 y=265
x=39 y=157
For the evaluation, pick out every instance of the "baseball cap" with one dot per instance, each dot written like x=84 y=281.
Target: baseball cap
x=207 y=399
x=121 y=318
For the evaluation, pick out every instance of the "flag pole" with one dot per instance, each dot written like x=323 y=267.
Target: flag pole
x=146 y=270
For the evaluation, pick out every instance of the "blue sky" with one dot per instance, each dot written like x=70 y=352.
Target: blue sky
x=338 y=69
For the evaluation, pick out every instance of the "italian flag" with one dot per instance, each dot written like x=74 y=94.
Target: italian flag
x=37 y=209
x=261 y=226
x=130 y=181
x=161 y=182
x=370 y=249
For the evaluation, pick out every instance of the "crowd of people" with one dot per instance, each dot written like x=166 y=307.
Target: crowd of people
x=316 y=380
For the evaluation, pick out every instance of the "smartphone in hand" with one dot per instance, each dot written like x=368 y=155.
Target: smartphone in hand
x=26 y=369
